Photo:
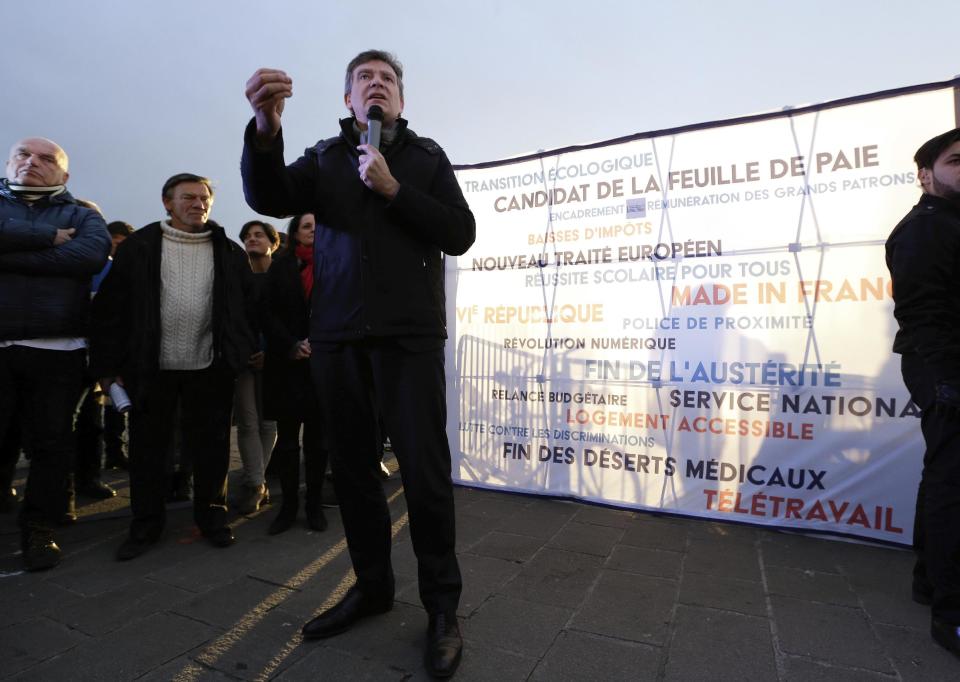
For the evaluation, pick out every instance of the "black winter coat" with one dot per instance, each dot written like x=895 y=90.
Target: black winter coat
x=125 y=335
x=45 y=289
x=378 y=268
x=923 y=256
x=287 y=388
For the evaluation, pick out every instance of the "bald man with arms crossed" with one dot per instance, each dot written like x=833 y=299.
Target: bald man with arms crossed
x=50 y=248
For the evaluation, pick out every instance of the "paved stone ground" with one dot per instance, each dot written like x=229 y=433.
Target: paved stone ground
x=553 y=591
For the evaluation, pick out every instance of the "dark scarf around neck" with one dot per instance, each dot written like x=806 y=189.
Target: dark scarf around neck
x=30 y=192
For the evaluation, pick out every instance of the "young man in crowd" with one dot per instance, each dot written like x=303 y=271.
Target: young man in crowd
x=923 y=255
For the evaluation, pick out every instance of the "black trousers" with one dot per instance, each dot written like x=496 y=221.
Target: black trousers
x=936 y=534
x=206 y=399
x=355 y=382
x=286 y=458
x=42 y=387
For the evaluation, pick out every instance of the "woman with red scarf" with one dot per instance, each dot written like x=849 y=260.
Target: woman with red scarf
x=289 y=396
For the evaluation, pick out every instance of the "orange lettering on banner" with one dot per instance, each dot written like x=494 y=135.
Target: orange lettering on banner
x=816 y=512
x=864 y=289
x=530 y=314
x=718 y=294
x=631 y=419
x=774 y=506
x=718 y=426
x=859 y=517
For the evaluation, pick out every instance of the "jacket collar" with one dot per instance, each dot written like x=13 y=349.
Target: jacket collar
x=929 y=201
x=63 y=198
x=349 y=134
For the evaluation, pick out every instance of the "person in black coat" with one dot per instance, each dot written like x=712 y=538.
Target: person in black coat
x=172 y=326
x=923 y=256
x=289 y=395
x=387 y=211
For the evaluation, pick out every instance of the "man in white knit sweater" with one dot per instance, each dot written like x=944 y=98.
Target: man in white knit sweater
x=172 y=326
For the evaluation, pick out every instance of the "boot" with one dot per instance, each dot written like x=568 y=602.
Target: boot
x=316 y=519
x=289 y=467
x=40 y=551
x=251 y=497
x=288 y=514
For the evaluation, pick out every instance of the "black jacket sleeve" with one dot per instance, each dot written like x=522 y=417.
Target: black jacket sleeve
x=85 y=254
x=17 y=234
x=270 y=187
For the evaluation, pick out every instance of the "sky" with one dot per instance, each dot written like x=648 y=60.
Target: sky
x=136 y=92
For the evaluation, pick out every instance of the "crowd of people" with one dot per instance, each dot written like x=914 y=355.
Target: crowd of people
x=101 y=430
x=325 y=344
x=321 y=346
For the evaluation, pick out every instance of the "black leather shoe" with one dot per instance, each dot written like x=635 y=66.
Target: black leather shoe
x=946 y=635
x=283 y=520
x=96 y=489
x=40 y=551
x=220 y=537
x=316 y=519
x=341 y=616
x=444 y=645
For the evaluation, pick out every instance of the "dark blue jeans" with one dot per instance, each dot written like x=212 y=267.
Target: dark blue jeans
x=41 y=388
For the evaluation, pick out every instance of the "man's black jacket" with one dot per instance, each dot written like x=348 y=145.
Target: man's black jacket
x=378 y=269
x=923 y=256
x=125 y=330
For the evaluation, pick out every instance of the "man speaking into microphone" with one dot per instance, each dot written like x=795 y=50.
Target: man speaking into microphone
x=387 y=206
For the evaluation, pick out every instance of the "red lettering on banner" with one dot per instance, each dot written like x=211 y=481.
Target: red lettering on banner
x=724 y=504
x=816 y=512
x=859 y=517
x=888 y=522
x=773 y=506
x=793 y=508
x=837 y=513
x=718 y=426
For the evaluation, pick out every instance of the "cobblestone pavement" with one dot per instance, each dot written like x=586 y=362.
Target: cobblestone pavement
x=553 y=590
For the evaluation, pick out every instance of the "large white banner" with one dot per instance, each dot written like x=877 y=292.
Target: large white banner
x=697 y=322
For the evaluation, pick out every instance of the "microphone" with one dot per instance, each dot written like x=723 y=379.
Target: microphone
x=374 y=121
